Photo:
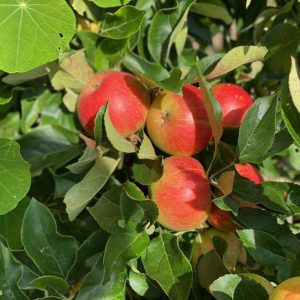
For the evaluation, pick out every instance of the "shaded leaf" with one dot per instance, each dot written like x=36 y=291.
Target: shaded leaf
x=107 y=211
x=237 y=287
x=52 y=285
x=94 y=288
x=147 y=171
x=212 y=9
x=11 y=223
x=14 y=174
x=294 y=83
x=51 y=252
x=10 y=274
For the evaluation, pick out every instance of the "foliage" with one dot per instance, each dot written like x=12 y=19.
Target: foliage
x=75 y=217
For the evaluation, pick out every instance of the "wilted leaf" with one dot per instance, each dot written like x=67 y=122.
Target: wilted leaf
x=73 y=72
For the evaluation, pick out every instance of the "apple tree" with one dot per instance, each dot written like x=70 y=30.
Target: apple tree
x=149 y=149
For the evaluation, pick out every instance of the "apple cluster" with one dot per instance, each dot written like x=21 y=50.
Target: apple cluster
x=178 y=125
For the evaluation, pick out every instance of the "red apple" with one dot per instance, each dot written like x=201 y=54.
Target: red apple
x=182 y=194
x=287 y=290
x=234 y=101
x=128 y=102
x=221 y=219
x=178 y=125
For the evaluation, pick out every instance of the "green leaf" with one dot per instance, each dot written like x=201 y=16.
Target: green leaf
x=110 y=3
x=50 y=24
x=118 y=142
x=10 y=274
x=54 y=113
x=5 y=94
x=81 y=193
x=107 y=212
x=123 y=23
x=137 y=209
x=165 y=263
x=143 y=286
x=52 y=285
x=281 y=41
x=122 y=247
x=290 y=113
x=153 y=74
x=11 y=223
x=85 y=161
x=147 y=171
x=14 y=174
x=94 y=288
x=168 y=22
x=212 y=9
x=294 y=83
x=49 y=146
x=74 y=72
x=9 y=126
x=93 y=245
x=264 y=248
x=270 y=194
x=146 y=150
x=264 y=220
x=257 y=132
x=212 y=106
x=237 y=287
x=236 y=57
x=209 y=268
x=31 y=110
x=18 y=78
x=99 y=130
x=51 y=252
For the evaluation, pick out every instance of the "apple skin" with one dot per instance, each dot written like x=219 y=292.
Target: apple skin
x=221 y=219
x=178 y=125
x=128 y=102
x=287 y=290
x=234 y=102
x=266 y=284
x=182 y=194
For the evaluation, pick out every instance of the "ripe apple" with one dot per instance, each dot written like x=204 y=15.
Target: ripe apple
x=178 y=125
x=287 y=290
x=234 y=102
x=221 y=219
x=128 y=102
x=266 y=284
x=182 y=194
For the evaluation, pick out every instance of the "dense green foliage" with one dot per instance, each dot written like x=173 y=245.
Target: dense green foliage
x=75 y=217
